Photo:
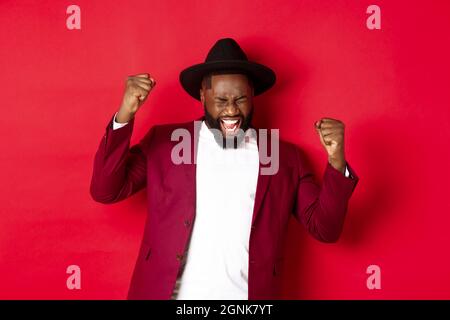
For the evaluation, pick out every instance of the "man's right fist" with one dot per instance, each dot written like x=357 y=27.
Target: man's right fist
x=137 y=88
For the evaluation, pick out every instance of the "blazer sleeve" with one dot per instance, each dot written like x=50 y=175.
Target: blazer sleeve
x=322 y=209
x=119 y=171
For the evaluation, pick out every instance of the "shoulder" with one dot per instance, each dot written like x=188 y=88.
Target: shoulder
x=293 y=156
x=166 y=130
x=289 y=153
x=161 y=134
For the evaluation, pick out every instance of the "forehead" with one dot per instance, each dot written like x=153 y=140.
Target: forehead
x=229 y=84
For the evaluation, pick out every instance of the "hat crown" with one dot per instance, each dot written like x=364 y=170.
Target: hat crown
x=226 y=49
x=226 y=55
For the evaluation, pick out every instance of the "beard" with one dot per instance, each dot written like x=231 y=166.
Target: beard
x=228 y=141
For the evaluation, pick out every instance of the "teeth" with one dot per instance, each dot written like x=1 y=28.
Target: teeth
x=230 y=122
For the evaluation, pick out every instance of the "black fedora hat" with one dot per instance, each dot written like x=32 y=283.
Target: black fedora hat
x=226 y=54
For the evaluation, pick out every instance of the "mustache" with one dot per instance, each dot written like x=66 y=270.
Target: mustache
x=215 y=122
x=241 y=117
x=222 y=140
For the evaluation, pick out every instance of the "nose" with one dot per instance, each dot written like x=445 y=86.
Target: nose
x=231 y=109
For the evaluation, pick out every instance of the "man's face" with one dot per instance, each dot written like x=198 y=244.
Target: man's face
x=228 y=103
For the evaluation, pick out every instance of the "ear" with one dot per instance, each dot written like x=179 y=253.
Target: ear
x=202 y=96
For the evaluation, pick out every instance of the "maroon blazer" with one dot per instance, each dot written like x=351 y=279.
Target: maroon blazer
x=120 y=171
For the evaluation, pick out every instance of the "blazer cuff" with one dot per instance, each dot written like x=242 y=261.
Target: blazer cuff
x=341 y=184
x=114 y=138
x=117 y=125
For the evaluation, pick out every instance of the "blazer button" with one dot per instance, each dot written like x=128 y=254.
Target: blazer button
x=179 y=257
x=187 y=223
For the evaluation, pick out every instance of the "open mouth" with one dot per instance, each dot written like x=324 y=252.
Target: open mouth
x=230 y=126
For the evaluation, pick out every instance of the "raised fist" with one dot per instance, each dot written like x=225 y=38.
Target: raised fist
x=137 y=88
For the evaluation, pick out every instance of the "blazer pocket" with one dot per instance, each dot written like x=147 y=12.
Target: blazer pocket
x=277 y=266
x=145 y=251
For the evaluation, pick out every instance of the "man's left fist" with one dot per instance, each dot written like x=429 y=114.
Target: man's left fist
x=331 y=133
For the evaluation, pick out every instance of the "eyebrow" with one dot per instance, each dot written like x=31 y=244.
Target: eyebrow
x=222 y=98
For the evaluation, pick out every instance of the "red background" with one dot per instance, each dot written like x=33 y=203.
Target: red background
x=60 y=87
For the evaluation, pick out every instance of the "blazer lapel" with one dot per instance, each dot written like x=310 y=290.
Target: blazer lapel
x=263 y=179
x=190 y=169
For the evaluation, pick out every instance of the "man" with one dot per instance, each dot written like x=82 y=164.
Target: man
x=215 y=229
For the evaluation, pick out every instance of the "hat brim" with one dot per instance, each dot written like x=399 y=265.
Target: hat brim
x=263 y=78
